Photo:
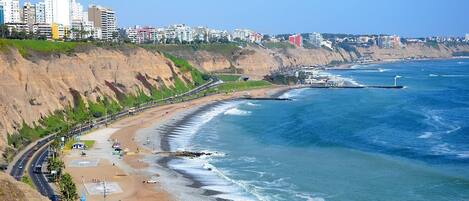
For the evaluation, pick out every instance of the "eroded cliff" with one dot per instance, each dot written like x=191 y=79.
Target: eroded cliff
x=35 y=87
x=256 y=61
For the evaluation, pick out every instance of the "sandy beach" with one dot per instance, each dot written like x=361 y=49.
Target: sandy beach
x=125 y=176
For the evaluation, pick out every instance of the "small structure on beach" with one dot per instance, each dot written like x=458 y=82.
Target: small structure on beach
x=116 y=145
x=78 y=145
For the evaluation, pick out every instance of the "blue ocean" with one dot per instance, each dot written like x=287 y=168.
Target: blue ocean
x=341 y=144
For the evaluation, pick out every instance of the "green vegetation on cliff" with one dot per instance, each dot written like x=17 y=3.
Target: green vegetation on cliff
x=228 y=87
x=25 y=179
x=25 y=47
x=198 y=77
x=228 y=77
x=226 y=49
x=278 y=45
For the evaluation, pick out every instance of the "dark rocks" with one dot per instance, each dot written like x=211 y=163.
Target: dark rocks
x=191 y=154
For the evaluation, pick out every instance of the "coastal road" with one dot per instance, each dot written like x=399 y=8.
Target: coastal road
x=18 y=167
x=38 y=177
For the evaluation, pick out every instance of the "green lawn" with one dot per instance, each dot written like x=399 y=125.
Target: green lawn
x=88 y=144
x=228 y=78
x=226 y=49
x=240 y=86
x=278 y=45
x=41 y=46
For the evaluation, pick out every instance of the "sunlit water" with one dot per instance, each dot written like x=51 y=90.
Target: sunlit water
x=342 y=144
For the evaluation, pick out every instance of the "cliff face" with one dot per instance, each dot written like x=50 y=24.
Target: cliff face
x=13 y=190
x=257 y=62
x=33 y=88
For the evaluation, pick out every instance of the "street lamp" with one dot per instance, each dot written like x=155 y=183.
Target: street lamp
x=395 y=80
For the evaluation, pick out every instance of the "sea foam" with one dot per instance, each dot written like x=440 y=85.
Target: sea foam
x=185 y=133
x=236 y=112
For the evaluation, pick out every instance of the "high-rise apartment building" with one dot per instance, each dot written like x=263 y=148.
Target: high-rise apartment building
x=61 y=12
x=76 y=11
x=296 y=40
x=40 y=12
x=29 y=14
x=2 y=17
x=11 y=11
x=315 y=39
x=48 y=11
x=105 y=19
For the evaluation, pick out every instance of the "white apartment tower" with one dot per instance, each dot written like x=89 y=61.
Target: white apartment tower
x=48 y=11
x=58 y=11
x=61 y=10
x=11 y=11
x=77 y=11
x=41 y=13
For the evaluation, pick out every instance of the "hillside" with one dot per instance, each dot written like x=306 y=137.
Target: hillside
x=42 y=82
x=13 y=190
x=257 y=61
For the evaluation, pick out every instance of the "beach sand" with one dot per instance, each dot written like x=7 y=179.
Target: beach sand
x=139 y=165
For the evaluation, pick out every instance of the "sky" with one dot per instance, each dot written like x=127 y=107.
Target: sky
x=409 y=18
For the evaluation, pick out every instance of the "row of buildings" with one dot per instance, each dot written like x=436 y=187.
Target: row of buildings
x=181 y=33
x=315 y=40
x=59 y=19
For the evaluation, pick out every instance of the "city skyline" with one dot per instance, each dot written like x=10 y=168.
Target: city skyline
x=409 y=19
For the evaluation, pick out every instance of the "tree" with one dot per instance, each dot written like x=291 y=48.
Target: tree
x=55 y=164
x=4 y=32
x=68 y=188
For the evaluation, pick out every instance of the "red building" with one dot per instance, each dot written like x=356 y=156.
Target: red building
x=296 y=40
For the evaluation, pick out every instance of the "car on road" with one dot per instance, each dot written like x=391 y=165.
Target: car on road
x=54 y=198
x=38 y=169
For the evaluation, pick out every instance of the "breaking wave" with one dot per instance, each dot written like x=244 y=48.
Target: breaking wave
x=236 y=112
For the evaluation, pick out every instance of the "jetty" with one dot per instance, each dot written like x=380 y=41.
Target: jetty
x=267 y=98
x=352 y=69
x=358 y=87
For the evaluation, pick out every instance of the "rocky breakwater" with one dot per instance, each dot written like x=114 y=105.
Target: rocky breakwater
x=34 y=86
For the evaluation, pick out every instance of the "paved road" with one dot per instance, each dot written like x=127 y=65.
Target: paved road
x=18 y=168
x=40 y=180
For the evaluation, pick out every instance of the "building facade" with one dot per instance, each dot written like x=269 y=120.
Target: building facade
x=43 y=30
x=105 y=19
x=11 y=11
x=2 y=17
x=29 y=14
x=40 y=12
x=296 y=40
x=77 y=11
x=393 y=41
x=58 y=31
x=61 y=12
x=316 y=39
x=48 y=11
x=467 y=37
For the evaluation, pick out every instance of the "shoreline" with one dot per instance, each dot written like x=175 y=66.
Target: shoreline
x=384 y=61
x=140 y=163
x=167 y=130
